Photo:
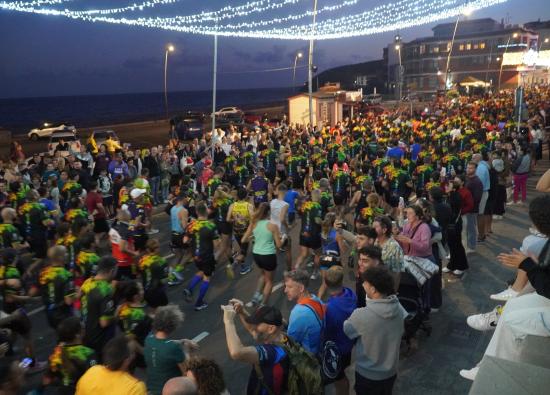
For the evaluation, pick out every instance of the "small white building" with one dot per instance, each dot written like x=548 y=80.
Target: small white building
x=328 y=105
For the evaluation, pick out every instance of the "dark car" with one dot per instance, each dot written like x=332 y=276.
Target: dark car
x=188 y=128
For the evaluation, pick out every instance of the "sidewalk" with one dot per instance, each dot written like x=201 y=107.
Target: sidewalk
x=453 y=345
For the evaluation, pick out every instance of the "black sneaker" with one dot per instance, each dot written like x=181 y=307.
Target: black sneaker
x=201 y=306
x=187 y=295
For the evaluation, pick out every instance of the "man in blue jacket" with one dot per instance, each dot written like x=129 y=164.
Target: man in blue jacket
x=341 y=303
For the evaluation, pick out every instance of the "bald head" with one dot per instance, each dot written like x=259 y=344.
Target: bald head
x=180 y=386
x=8 y=214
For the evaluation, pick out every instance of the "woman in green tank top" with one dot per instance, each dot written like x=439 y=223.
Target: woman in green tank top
x=267 y=239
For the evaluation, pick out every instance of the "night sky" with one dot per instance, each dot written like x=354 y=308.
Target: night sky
x=53 y=56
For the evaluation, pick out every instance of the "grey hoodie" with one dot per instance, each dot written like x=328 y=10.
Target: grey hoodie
x=378 y=329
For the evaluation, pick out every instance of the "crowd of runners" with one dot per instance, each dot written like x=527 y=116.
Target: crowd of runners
x=385 y=196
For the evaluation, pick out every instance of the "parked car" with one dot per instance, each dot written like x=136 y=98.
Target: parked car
x=228 y=111
x=67 y=137
x=188 y=128
x=373 y=98
x=100 y=136
x=48 y=128
x=229 y=119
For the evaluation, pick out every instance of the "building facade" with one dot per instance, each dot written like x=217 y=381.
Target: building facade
x=475 y=57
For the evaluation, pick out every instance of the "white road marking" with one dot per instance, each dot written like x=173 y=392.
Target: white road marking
x=276 y=287
x=200 y=336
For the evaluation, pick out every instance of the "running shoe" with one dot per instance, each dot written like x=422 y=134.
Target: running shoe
x=245 y=269
x=458 y=272
x=201 y=306
x=314 y=275
x=152 y=231
x=229 y=272
x=485 y=321
x=446 y=270
x=256 y=299
x=172 y=281
x=470 y=374
x=187 y=295
x=505 y=295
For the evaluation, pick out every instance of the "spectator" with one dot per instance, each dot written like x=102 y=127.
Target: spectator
x=520 y=169
x=475 y=186
x=112 y=377
x=165 y=357
x=377 y=329
x=180 y=386
x=306 y=318
x=208 y=376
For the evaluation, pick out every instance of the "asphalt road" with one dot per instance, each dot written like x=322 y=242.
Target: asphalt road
x=432 y=369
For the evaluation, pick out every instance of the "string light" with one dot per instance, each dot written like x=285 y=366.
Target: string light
x=388 y=17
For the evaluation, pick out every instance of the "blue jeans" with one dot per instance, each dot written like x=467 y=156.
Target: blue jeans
x=471 y=230
x=154 y=183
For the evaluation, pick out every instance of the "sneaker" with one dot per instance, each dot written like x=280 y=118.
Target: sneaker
x=458 y=272
x=434 y=310
x=176 y=274
x=314 y=275
x=520 y=203
x=470 y=251
x=172 y=281
x=310 y=264
x=256 y=299
x=469 y=374
x=152 y=231
x=201 y=306
x=229 y=272
x=512 y=203
x=497 y=216
x=187 y=295
x=485 y=321
x=245 y=269
x=445 y=270
x=38 y=367
x=505 y=295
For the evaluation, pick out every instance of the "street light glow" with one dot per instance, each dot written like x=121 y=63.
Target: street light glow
x=515 y=35
x=170 y=48
x=468 y=11
x=397 y=47
x=299 y=54
x=546 y=40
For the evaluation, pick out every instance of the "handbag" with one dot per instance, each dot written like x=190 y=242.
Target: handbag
x=421 y=269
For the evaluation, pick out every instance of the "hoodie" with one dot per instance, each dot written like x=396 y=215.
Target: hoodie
x=339 y=309
x=377 y=329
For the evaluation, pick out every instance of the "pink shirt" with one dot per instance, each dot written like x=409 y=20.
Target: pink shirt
x=421 y=244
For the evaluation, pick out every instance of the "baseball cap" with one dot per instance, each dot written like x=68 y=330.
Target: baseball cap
x=137 y=192
x=267 y=315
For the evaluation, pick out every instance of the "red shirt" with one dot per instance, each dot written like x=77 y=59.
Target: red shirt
x=467 y=200
x=92 y=200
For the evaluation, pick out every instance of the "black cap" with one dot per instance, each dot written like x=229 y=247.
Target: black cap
x=267 y=315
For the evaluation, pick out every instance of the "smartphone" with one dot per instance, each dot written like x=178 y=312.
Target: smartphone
x=25 y=363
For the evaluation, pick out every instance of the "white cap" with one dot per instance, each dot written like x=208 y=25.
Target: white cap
x=137 y=192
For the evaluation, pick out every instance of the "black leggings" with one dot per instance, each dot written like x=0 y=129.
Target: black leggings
x=364 y=385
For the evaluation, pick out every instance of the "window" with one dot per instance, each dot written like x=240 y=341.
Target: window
x=436 y=49
x=476 y=46
x=468 y=46
x=422 y=49
x=481 y=45
x=461 y=47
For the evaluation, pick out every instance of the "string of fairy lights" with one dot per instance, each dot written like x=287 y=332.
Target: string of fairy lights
x=293 y=25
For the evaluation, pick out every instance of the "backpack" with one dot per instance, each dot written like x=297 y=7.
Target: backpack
x=304 y=372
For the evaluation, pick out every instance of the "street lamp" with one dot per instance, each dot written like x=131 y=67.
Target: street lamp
x=400 y=81
x=169 y=48
x=515 y=35
x=545 y=41
x=299 y=55
x=310 y=65
x=466 y=12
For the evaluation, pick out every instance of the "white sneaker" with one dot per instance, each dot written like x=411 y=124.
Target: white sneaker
x=469 y=374
x=512 y=203
x=470 y=251
x=152 y=231
x=505 y=295
x=314 y=275
x=458 y=272
x=485 y=321
x=445 y=270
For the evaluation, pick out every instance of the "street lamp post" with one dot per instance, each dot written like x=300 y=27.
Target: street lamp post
x=169 y=48
x=515 y=35
x=310 y=66
x=400 y=81
x=466 y=12
x=545 y=41
x=298 y=56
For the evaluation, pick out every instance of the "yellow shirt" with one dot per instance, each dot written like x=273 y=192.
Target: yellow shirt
x=100 y=380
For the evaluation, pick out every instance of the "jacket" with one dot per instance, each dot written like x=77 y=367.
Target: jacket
x=339 y=308
x=377 y=329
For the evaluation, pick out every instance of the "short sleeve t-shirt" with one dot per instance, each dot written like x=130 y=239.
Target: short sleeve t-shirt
x=117 y=233
x=56 y=283
x=92 y=200
x=100 y=380
x=162 y=357
x=274 y=366
x=97 y=303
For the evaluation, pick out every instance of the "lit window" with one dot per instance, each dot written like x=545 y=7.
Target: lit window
x=468 y=46
x=476 y=46
x=436 y=49
x=481 y=45
x=422 y=49
x=461 y=47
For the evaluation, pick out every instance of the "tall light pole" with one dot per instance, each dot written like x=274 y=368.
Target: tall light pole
x=400 y=81
x=214 y=87
x=515 y=35
x=299 y=55
x=465 y=12
x=169 y=48
x=310 y=66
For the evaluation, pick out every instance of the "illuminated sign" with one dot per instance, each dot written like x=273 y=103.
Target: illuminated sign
x=528 y=58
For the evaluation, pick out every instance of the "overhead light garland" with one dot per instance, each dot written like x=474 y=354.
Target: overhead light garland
x=393 y=16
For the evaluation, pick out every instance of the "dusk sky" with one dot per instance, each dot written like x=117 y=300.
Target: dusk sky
x=53 y=56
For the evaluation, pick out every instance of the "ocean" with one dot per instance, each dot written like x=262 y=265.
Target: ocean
x=22 y=114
